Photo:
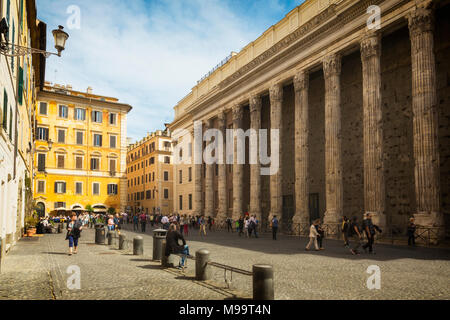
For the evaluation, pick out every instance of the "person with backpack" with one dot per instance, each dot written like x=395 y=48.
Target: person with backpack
x=369 y=229
x=411 y=233
x=344 y=229
x=355 y=233
x=274 y=225
x=143 y=220
x=253 y=225
x=74 y=233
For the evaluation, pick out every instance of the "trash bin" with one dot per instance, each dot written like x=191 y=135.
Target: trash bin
x=159 y=235
x=100 y=234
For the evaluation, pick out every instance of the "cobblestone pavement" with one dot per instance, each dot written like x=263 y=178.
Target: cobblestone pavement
x=37 y=270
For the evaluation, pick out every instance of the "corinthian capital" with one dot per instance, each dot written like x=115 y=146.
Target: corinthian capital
x=208 y=123
x=420 y=20
x=255 y=103
x=238 y=112
x=332 y=65
x=276 y=92
x=370 y=45
x=301 y=81
x=222 y=118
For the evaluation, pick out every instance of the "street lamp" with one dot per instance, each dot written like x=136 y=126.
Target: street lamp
x=14 y=50
x=50 y=144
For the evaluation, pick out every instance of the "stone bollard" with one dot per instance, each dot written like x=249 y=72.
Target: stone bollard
x=164 y=259
x=263 y=282
x=110 y=236
x=122 y=242
x=202 y=269
x=138 y=246
x=60 y=227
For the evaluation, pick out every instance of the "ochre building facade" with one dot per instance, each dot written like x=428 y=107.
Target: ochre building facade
x=150 y=174
x=80 y=154
x=362 y=111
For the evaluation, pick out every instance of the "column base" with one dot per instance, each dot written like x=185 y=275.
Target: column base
x=332 y=223
x=430 y=227
x=300 y=224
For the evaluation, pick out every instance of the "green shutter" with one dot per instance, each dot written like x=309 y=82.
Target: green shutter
x=20 y=89
x=10 y=123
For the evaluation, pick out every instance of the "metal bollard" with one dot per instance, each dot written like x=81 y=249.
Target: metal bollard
x=202 y=269
x=164 y=259
x=138 y=246
x=60 y=227
x=263 y=282
x=122 y=242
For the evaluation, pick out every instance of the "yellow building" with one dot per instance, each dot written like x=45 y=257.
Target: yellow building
x=150 y=174
x=81 y=150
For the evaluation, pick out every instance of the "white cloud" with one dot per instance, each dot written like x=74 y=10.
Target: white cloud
x=147 y=54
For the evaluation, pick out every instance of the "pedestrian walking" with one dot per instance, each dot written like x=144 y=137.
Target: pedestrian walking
x=246 y=223
x=369 y=229
x=229 y=224
x=355 y=233
x=411 y=232
x=143 y=220
x=274 y=226
x=321 y=234
x=240 y=226
x=111 y=223
x=344 y=228
x=202 y=223
x=313 y=233
x=135 y=222
x=73 y=234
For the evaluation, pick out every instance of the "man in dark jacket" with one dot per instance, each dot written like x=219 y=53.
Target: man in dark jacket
x=173 y=246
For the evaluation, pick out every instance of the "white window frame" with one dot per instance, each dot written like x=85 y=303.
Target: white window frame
x=56 y=158
x=99 y=163
x=82 y=161
x=75 y=114
x=93 y=139
x=99 y=192
x=43 y=114
x=115 y=137
x=82 y=188
x=115 y=119
x=61 y=181
x=65 y=135
x=37 y=186
x=101 y=118
x=64 y=105
x=76 y=137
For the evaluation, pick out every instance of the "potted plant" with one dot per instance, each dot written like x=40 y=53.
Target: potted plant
x=30 y=225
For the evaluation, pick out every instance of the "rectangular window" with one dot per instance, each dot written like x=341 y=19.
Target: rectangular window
x=43 y=108
x=190 y=202
x=112 y=142
x=60 y=187
x=142 y=195
x=60 y=161
x=96 y=188
x=167 y=160
x=41 y=162
x=166 y=175
x=80 y=114
x=95 y=164
x=63 y=111
x=181 y=176
x=166 y=193
x=78 y=162
x=190 y=174
x=97 y=140
x=112 y=189
x=153 y=176
x=148 y=194
x=112 y=166
x=180 y=203
x=42 y=134
x=61 y=136
x=41 y=186
x=112 y=119
x=60 y=205
x=97 y=116
x=80 y=137
x=79 y=188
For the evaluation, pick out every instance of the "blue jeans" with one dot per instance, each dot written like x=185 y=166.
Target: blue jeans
x=73 y=242
x=185 y=253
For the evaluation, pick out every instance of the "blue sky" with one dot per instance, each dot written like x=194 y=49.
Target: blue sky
x=151 y=53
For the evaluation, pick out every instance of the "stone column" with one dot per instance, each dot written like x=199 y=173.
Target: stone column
x=374 y=187
x=301 y=84
x=276 y=191
x=425 y=118
x=222 y=183
x=198 y=204
x=238 y=169
x=255 y=168
x=209 y=181
x=333 y=161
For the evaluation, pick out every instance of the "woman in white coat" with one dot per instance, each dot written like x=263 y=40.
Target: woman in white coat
x=313 y=236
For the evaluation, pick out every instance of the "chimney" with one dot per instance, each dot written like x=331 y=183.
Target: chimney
x=89 y=90
x=69 y=87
